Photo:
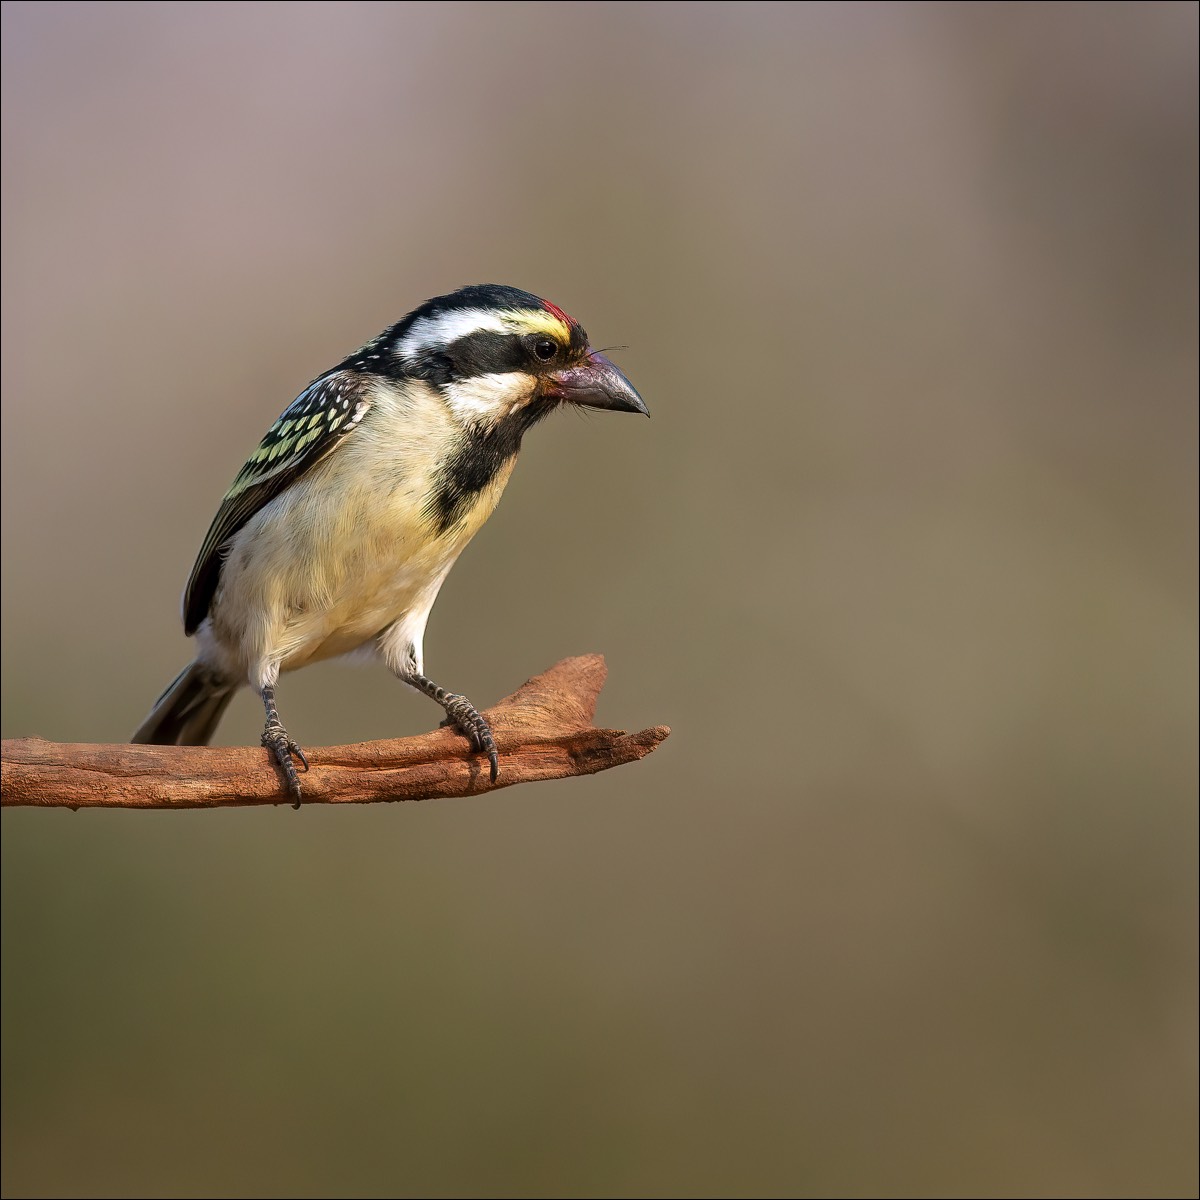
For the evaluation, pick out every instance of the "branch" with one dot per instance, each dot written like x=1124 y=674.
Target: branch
x=543 y=730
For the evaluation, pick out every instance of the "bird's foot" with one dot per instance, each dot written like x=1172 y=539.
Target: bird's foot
x=282 y=749
x=467 y=719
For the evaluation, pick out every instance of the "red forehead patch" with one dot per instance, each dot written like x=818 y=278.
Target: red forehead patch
x=570 y=322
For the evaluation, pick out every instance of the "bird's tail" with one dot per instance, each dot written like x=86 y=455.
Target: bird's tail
x=186 y=714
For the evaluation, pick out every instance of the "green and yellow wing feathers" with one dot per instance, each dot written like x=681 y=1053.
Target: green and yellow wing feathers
x=308 y=430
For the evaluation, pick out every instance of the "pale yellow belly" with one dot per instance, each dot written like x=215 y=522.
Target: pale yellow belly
x=331 y=564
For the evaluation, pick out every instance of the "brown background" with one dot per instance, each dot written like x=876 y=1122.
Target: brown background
x=907 y=556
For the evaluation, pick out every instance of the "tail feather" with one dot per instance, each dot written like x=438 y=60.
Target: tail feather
x=188 y=712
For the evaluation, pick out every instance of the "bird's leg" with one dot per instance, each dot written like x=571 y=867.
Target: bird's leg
x=275 y=739
x=461 y=713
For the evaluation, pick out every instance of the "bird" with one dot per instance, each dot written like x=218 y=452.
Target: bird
x=338 y=532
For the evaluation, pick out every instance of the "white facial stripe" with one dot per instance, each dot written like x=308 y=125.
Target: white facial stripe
x=485 y=396
x=449 y=327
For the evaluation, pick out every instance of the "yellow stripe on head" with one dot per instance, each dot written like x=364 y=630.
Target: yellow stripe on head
x=549 y=320
x=532 y=321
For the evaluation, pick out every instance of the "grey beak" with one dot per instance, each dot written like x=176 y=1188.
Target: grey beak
x=596 y=383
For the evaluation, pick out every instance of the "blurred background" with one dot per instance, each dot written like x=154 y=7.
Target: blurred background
x=906 y=556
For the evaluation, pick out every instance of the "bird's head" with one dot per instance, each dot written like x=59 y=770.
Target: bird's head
x=498 y=354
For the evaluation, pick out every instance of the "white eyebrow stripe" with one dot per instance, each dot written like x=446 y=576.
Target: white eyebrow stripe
x=449 y=327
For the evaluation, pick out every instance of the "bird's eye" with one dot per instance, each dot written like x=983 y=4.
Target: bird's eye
x=545 y=348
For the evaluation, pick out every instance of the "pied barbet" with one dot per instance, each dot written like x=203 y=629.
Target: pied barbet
x=338 y=532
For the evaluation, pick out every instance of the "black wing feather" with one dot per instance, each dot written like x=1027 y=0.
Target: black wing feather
x=308 y=430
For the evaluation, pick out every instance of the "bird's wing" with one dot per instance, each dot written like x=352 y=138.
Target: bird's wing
x=310 y=428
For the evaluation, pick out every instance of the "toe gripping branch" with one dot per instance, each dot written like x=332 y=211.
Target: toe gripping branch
x=275 y=738
x=462 y=714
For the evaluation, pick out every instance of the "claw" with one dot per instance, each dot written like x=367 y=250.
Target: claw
x=276 y=740
x=294 y=749
x=482 y=740
x=282 y=748
x=463 y=716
